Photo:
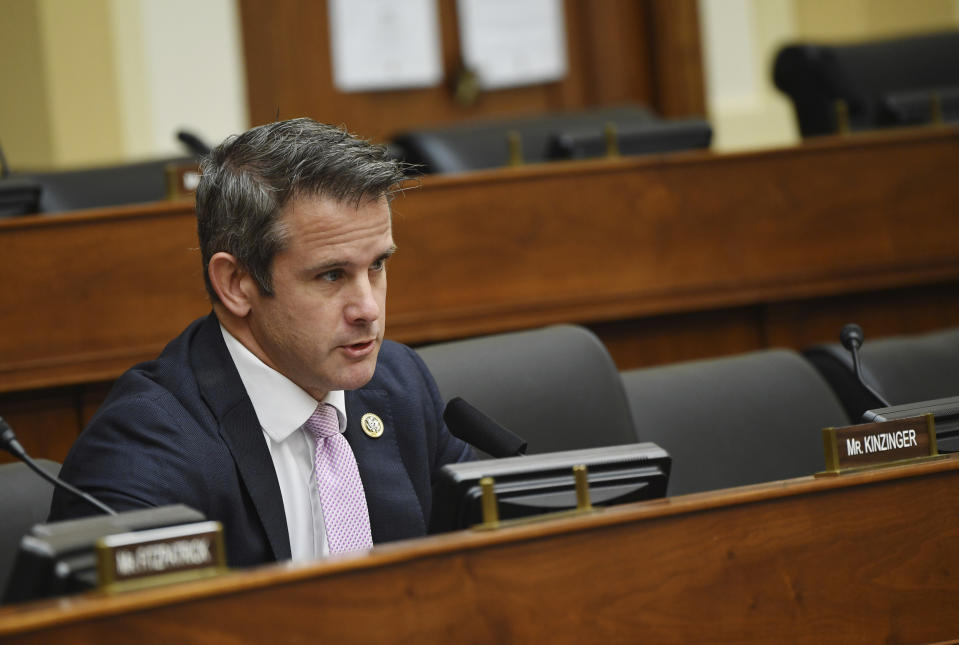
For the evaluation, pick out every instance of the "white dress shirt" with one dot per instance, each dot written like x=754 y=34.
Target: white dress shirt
x=282 y=408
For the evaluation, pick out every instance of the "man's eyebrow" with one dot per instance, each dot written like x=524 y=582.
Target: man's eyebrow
x=388 y=252
x=339 y=264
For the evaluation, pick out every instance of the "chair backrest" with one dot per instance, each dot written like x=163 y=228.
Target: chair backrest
x=131 y=183
x=903 y=369
x=880 y=82
x=24 y=501
x=557 y=387
x=648 y=137
x=735 y=420
x=485 y=144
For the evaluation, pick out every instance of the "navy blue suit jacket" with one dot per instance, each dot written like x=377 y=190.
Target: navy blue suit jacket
x=181 y=429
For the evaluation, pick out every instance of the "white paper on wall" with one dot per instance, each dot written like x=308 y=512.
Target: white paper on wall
x=384 y=44
x=513 y=42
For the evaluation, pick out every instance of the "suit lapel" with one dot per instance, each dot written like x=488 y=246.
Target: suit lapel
x=394 y=507
x=223 y=391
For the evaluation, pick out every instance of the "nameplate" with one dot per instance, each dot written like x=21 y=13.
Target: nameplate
x=878 y=444
x=160 y=556
x=182 y=180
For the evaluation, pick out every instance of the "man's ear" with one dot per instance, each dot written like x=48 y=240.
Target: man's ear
x=232 y=283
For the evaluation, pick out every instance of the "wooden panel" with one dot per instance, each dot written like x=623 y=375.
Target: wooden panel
x=655 y=340
x=46 y=422
x=289 y=71
x=591 y=242
x=95 y=292
x=794 y=324
x=860 y=558
x=615 y=240
x=677 y=58
x=880 y=313
x=617 y=50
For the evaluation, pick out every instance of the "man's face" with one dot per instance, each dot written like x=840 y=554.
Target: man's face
x=324 y=325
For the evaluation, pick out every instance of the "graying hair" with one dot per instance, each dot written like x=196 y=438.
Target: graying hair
x=246 y=182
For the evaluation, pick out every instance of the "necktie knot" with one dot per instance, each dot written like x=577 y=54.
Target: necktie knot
x=323 y=422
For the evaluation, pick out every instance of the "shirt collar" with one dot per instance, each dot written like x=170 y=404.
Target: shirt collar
x=281 y=406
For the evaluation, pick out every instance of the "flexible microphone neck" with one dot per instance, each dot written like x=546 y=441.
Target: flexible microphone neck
x=8 y=441
x=852 y=338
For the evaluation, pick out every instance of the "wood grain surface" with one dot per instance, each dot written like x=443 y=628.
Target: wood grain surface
x=859 y=558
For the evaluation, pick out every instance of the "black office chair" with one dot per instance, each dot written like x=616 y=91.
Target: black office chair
x=24 y=501
x=99 y=186
x=18 y=196
x=883 y=83
x=735 y=420
x=571 y=135
x=902 y=369
x=653 y=137
x=557 y=387
x=132 y=183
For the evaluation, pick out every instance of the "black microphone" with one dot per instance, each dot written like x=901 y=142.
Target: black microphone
x=193 y=143
x=851 y=338
x=477 y=429
x=8 y=441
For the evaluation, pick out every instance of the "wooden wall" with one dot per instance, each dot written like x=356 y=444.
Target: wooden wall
x=640 y=51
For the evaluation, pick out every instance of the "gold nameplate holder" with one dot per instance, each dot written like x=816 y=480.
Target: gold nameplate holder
x=490 y=504
x=874 y=445
x=141 y=559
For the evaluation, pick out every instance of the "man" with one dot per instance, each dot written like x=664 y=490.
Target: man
x=241 y=416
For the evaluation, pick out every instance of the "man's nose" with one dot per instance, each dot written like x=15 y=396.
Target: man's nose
x=363 y=305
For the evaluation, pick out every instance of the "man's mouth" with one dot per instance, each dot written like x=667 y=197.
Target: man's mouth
x=360 y=349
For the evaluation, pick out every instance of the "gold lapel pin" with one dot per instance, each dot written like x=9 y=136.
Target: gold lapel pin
x=372 y=425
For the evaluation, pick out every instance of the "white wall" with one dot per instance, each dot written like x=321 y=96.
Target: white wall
x=180 y=65
x=741 y=37
x=96 y=82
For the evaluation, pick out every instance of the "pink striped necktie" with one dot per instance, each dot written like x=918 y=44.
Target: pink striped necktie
x=338 y=479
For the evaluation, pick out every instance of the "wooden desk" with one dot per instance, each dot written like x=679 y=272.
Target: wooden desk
x=666 y=257
x=863 y=558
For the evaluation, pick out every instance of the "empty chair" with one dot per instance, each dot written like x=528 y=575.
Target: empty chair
x=736 y=420
x=902 y=369
x=131 y=183
x=18 y=196
x=25 y=501
x=485 y=144
x=881 y=83
x=643 y=138
x=557 y=387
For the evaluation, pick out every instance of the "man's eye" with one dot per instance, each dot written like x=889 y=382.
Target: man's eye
x=331 y=276
x=379 y=265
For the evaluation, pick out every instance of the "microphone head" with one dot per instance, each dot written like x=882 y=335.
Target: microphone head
x=475 y=428
x=8 y=440
x=193 y=143
x=851 y=336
